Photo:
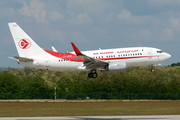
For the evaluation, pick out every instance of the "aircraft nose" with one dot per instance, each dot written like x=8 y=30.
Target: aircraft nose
x=164 y=57
x=168 y=56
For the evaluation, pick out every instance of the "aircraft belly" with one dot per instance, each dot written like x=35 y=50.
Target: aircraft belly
x=27 y=64
x=65 y=66
x=140 y=62
x=52 y=65
x=152 y=60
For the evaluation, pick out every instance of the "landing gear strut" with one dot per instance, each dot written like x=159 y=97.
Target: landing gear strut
x=93 y=74
x=152 y=69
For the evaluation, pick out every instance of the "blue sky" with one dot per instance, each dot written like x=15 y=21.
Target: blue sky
x=92 y=24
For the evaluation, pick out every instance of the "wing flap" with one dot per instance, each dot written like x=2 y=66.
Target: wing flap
x=92 y=66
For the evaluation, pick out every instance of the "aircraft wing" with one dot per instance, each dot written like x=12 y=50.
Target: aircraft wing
x=23 y=58
x=89 y=62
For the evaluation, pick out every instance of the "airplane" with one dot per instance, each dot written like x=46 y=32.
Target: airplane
x=104 y=60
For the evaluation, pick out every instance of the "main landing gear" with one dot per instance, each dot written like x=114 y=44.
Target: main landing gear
x=93 y=74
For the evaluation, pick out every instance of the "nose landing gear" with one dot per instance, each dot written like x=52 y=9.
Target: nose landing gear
x=152 y=69
x=93 y=74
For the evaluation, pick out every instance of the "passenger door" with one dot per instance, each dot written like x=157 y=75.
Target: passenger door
x=149 y=53
x=47 y=63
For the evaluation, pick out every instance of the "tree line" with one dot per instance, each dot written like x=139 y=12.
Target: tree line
x=165 y=79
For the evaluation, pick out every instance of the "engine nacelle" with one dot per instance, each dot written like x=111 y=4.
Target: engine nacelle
x=115 y=66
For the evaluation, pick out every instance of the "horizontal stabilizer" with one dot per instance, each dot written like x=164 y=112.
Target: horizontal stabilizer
x=12 y=58
x=23 y=58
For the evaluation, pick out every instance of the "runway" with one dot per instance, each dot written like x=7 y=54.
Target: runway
x=148 y=117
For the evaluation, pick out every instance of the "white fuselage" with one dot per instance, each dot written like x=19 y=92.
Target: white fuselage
x=133 y=56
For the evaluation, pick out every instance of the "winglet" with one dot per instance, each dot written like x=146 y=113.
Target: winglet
x=54 y=49
x=76 y=49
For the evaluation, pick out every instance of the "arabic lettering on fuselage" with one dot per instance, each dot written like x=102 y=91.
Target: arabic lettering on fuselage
x=124 y=51
x=127 y=51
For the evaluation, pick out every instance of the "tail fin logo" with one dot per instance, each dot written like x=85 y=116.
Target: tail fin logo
x=24 y=43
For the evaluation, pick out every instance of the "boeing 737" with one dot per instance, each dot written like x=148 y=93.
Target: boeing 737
x=105 y=60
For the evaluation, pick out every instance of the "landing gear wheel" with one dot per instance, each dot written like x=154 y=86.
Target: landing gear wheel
x=90 y=75
x=152 y=70
x=95 y=75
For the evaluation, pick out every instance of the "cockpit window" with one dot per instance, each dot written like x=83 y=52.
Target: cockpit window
x=159 y=51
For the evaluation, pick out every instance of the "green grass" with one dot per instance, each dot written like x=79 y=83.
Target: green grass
x=109 y=108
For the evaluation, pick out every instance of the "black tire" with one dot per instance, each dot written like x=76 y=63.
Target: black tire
x=90 y=75
x=152 y=70
x=94 y=75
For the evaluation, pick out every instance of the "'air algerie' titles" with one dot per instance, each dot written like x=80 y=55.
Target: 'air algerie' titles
x=103 y=53
x=125 y=51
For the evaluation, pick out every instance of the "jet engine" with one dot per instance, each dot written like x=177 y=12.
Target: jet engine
x=115 y=66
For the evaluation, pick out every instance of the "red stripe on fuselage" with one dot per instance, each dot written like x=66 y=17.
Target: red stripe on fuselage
x=65 y=56
x=75 y=58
